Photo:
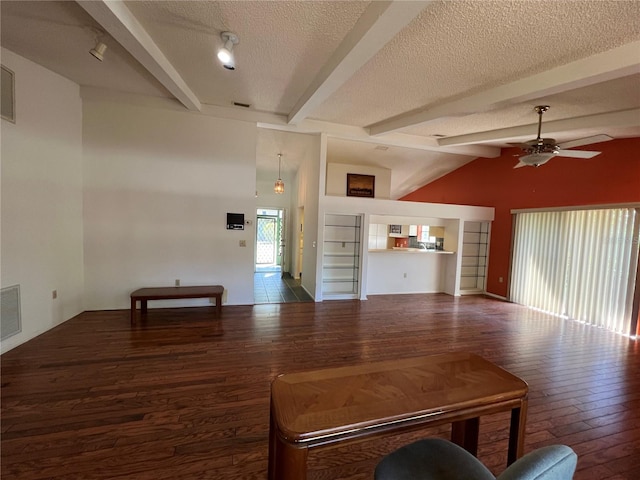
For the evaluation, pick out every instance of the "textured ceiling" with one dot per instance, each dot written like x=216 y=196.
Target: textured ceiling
x=282 y=45
x=619 y=94
x=59 y=34
x=439 y=82
x=457 y=47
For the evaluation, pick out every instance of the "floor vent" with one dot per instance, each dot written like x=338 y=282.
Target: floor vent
x=10 y=320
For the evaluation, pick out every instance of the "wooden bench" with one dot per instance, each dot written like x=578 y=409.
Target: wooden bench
x=172 y=293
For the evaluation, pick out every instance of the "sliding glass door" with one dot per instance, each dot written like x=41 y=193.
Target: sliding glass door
x=578 y=264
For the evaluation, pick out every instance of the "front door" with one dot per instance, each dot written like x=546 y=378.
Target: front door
x=267 y=242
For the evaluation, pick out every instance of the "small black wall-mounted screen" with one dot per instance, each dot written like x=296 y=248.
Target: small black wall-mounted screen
x=235 y=221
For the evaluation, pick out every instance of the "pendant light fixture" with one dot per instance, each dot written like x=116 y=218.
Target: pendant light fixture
x=279 y=186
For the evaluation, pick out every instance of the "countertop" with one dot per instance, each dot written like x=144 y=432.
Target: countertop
x=407 y=250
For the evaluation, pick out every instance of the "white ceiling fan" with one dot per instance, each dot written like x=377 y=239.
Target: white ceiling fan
x=540 y=150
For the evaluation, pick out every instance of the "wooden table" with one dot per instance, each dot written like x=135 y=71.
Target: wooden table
x=171 y=293
x=316 y=408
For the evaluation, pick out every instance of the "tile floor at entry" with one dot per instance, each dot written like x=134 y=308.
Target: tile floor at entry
x=270 y=287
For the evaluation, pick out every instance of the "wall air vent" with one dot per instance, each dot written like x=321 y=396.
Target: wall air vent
x=245 y=105
x=10 y=320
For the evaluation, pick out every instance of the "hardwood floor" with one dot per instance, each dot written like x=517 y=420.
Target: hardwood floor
x=183 y=396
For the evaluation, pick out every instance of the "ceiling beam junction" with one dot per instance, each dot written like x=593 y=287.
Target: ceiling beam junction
x=125 y=28
x=615 y=63
x=349 y=132
x=380 y=22
x=622 y=118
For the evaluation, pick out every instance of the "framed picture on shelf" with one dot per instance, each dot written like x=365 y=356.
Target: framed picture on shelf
x=361 y=185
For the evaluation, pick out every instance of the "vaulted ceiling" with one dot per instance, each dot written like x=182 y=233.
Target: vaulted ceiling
x=437 y=82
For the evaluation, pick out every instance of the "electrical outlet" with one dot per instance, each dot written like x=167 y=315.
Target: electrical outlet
x=243 y=243
x=177 y=282
x=500 y=280
x=405 y=275
x=54 y=294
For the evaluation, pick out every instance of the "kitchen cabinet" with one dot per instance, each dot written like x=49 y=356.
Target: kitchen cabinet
x=398 y=231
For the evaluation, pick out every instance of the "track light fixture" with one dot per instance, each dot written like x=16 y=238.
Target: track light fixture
x=225 y=54
x=100 y=47
x=279 y=186
x=98 y=50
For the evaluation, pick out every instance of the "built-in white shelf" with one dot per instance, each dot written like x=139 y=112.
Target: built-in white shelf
x=341 y=255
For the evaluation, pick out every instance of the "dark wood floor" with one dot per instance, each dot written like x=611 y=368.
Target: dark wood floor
x=184 y=397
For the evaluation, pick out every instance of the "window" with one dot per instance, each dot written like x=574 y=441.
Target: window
x=578 y=264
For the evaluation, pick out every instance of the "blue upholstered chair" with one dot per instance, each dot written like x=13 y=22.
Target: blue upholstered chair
x=437 y=459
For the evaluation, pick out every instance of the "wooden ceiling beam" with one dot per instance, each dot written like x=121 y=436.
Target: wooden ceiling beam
x=615 y=63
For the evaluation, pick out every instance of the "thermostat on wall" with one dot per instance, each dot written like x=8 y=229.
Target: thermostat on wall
x=235 y=221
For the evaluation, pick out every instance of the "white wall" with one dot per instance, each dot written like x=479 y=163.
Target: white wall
x=405 y=272
x=309 y=181
x=158 y=185
x=42 y=198
x=337 y=179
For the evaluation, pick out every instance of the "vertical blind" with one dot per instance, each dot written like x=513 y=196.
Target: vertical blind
x=578 y=264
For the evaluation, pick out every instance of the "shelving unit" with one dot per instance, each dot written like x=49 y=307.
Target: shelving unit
x=475 y=249
x=341 y=256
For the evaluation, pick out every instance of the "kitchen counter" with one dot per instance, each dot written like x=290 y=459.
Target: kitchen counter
x=406 y=270
x=407 y=250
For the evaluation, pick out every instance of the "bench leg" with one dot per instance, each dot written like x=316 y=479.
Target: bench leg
x=133 y=311
x=218 y=305
x=143 y=306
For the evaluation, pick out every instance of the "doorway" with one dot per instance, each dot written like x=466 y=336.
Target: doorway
x=270 y=240
x=272 y=282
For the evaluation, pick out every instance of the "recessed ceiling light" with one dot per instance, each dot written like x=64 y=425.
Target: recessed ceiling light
x=381 y=147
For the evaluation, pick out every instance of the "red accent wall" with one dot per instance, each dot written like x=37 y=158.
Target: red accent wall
x=611 y=177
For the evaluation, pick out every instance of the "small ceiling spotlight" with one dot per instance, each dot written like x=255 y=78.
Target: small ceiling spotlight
x=98 y=50
x=225 y=54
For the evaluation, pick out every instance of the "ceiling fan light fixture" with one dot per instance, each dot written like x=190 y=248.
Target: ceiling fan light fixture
x=225 y=54
x=536 y=159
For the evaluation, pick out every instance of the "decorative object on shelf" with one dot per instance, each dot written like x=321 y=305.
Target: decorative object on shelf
x=395 y=229
x=279 y=186
x=225 y=54
x=361 y=185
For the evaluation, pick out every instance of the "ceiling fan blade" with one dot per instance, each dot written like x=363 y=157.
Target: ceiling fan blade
x=577 y=153
x=520 y=165
x=585 y=141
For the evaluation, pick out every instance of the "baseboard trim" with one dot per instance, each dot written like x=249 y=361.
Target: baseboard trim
x=499 y=297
